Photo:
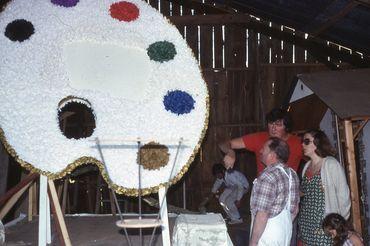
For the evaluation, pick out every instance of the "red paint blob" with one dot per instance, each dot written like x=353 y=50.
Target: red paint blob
x=124 y=11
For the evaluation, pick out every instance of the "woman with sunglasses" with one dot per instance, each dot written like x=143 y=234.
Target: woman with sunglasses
x=324 y=189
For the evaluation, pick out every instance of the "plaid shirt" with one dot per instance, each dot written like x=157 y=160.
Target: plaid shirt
x=271 y=190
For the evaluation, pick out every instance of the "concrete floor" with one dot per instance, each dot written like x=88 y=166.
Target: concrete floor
x=101 y=230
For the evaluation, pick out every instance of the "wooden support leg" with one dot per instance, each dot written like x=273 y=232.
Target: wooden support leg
x=112 y=206
x=30 y=202
x=352 y=179
x=43 y=211
x=9 y=194
x=58 y=216
x=48 y=226
x=10 y=203
x=60 y=191
x=75 y=196
x=184 y=194
x=164 y=216
x=65 y=195
x=98 y=194
x=34 y=202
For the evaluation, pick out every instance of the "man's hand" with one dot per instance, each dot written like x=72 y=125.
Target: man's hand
x=228 y=147
x=229 y=159
x=238 y=204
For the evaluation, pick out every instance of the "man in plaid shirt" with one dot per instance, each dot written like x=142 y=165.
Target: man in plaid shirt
x=275 y=197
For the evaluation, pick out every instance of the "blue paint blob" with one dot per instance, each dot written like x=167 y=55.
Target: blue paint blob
x=65 y=3
x=178 y=102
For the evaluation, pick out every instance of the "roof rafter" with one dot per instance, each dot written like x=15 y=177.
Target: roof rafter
x=364 y=2
x=332 y=19
x=314 y=45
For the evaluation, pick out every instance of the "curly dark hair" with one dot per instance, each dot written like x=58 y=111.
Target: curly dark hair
x=336 y=222
x=322 y=143
x=279 y=114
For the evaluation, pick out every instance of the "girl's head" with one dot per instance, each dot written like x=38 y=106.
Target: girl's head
x=316 y=142
x=218 y=170
x=335 y=226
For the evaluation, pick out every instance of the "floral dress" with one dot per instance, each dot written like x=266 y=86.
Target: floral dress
x=311 y=212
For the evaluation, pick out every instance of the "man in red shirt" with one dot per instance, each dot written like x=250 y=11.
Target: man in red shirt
x=279 y=124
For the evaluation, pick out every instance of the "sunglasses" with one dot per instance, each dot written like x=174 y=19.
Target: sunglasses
x=306 y=141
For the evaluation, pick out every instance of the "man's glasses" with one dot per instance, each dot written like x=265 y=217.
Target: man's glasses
x=277 y=123
x=306 y=141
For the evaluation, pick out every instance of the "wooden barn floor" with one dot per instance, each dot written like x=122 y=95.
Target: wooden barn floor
x=101 y=230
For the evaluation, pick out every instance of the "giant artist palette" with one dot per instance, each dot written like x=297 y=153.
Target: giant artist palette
x=120 y=60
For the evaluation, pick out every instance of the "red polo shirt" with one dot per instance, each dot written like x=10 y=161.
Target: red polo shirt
x=255 y=141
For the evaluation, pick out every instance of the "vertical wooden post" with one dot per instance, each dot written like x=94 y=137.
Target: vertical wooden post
x=43 y=211
x=162 y=201
x=4 y=163
x=60 y=191
x=30 y=202
x=98 y=194
x=58 y=215
x=35 y=199
x=65 y=195
x=111 y=200
x=352 y=175
x=184 y=194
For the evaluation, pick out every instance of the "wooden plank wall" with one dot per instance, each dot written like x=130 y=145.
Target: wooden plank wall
x=247 y=74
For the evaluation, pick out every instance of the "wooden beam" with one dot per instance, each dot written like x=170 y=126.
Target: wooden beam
x=333 y=19
x=4 y=164
x=224 y=8
x=210 y=19
x=352 y=175
x=364 y=2
x=359 y=128
x=10 y=202
x=313 y=45
x=32 y=201
x=98 y=194
x=35 y=200
x=65 y=195
x=200 y=7
x=111 y=200
x=58 y=215
x=28 y=179
x=323 y=59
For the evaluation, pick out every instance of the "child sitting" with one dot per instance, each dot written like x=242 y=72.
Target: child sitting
x=236 y=185
x=335 y=226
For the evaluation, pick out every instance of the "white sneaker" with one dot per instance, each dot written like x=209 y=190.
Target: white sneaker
x=235 y=222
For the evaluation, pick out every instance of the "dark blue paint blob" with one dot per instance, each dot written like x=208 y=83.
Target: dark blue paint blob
x=65 y=3
x=178 y=102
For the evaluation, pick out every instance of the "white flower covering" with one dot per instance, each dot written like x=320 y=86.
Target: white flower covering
x=34 y=79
